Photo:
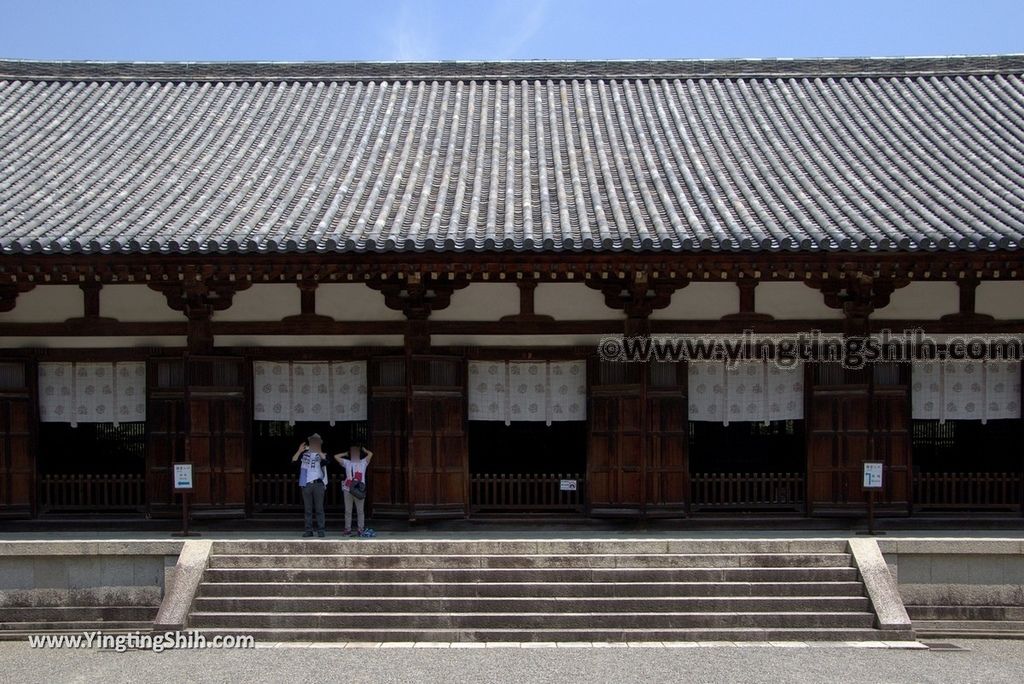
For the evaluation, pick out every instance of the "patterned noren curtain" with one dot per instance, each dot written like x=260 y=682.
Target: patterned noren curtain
x=110 y=392
x=749 y=391
x=309 y=391
x=965 y=390
x=510 y=391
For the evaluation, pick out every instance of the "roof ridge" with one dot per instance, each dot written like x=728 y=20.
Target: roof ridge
x=511 y=70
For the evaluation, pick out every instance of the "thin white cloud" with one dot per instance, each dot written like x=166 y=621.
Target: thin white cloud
x=413 y=37
x=531 y=19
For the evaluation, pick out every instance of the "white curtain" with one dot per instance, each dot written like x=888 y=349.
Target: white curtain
x=487 y=389
x=309 y=391
x=509 y=391
x=965 y=390
x=748 y=391
x=111 y=392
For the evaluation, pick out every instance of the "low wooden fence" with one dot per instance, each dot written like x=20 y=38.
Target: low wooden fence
x=967 y=491
x=747 y=490
x=93 y=490
x=525 y=492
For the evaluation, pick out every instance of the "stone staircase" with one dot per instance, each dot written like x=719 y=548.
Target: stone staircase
x=62 y=616
x=968 y=622
x=525 y=590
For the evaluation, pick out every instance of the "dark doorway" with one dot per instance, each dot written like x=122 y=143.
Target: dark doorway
x=521 y=466
x=99 y=467
x=747 y=465
x=275 y=477
x=967 y=464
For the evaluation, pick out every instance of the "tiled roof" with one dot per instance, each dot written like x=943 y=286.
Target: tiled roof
x=844 y=155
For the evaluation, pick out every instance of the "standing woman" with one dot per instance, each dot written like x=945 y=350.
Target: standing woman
x=354 y=487
x=313 y=481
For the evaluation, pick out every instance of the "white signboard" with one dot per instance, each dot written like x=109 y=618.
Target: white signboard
x=567 y=485
x=872 y=475
x=182 y=476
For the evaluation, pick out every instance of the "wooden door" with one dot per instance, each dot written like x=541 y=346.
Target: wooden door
x=166 y=430
x=890 y=434
x=438 y=446
x=388 y=439
x=855 y=415
x=218 y=412
x=666 y=428
x=17 y=420
x=615 y=463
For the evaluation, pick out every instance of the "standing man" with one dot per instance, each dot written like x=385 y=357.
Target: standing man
x=313 y=481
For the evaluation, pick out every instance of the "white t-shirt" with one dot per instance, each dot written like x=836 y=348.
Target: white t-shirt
x=312 y=470
x=351 y=468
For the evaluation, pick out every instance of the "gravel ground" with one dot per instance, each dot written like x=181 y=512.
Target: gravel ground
x=981 y=661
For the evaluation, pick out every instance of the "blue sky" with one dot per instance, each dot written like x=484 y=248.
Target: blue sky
x=503 y=29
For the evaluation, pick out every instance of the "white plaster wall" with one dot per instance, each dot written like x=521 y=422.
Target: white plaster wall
x=698 y=301
x=107 y=342
x=262 y=302
x=921 y=300
x=46 y=304
x=791 y=300
x=308 y=341
x=136 y=303
x=353 y=302
x=514 y=340
x=481 y=302
x=1002 y=299
x=572 y=302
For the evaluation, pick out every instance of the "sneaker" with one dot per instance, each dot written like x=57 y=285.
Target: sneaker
x=307 y=533
x=321 y=533
x=347 y=533
x=367 y=533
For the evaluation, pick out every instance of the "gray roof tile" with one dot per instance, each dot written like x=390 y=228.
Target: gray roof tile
x=847 y=155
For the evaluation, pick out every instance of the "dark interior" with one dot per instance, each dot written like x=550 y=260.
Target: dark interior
x=527 y=447
x=274 y=442
x=92 y=448
x=747 y=447
x=967 y=446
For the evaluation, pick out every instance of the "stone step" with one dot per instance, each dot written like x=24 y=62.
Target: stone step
x=63 y=614
x=347 y=604
x=965 y=612
x=585 y=635
x=530 y=621
x=969 y=626
x=74 y=626
x=545 y=575
x=423 y=561
x=527 y=546
x=530 y=589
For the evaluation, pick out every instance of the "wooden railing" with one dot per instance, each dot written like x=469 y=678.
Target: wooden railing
x=524 y=492
x=747 y=490
x=91 y=490
x=967 y=490
x=276 y=491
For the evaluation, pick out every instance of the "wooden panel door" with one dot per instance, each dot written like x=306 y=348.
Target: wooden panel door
x=438 y=448
x=17 y=420
x=667 y=468
x=615 y=450
x=388 y=439
x=890 y=435
x=856 y=416
x=218 y=406
x=166 y=430
x=666 y=427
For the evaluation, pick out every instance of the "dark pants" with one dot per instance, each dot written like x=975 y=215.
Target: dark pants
x=313 y=501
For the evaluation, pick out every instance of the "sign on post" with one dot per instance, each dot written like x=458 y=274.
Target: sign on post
x=182 y=483
x=182 y=477
x=872 y=474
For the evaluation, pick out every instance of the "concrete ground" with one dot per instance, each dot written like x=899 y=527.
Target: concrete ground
x=979 y=661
